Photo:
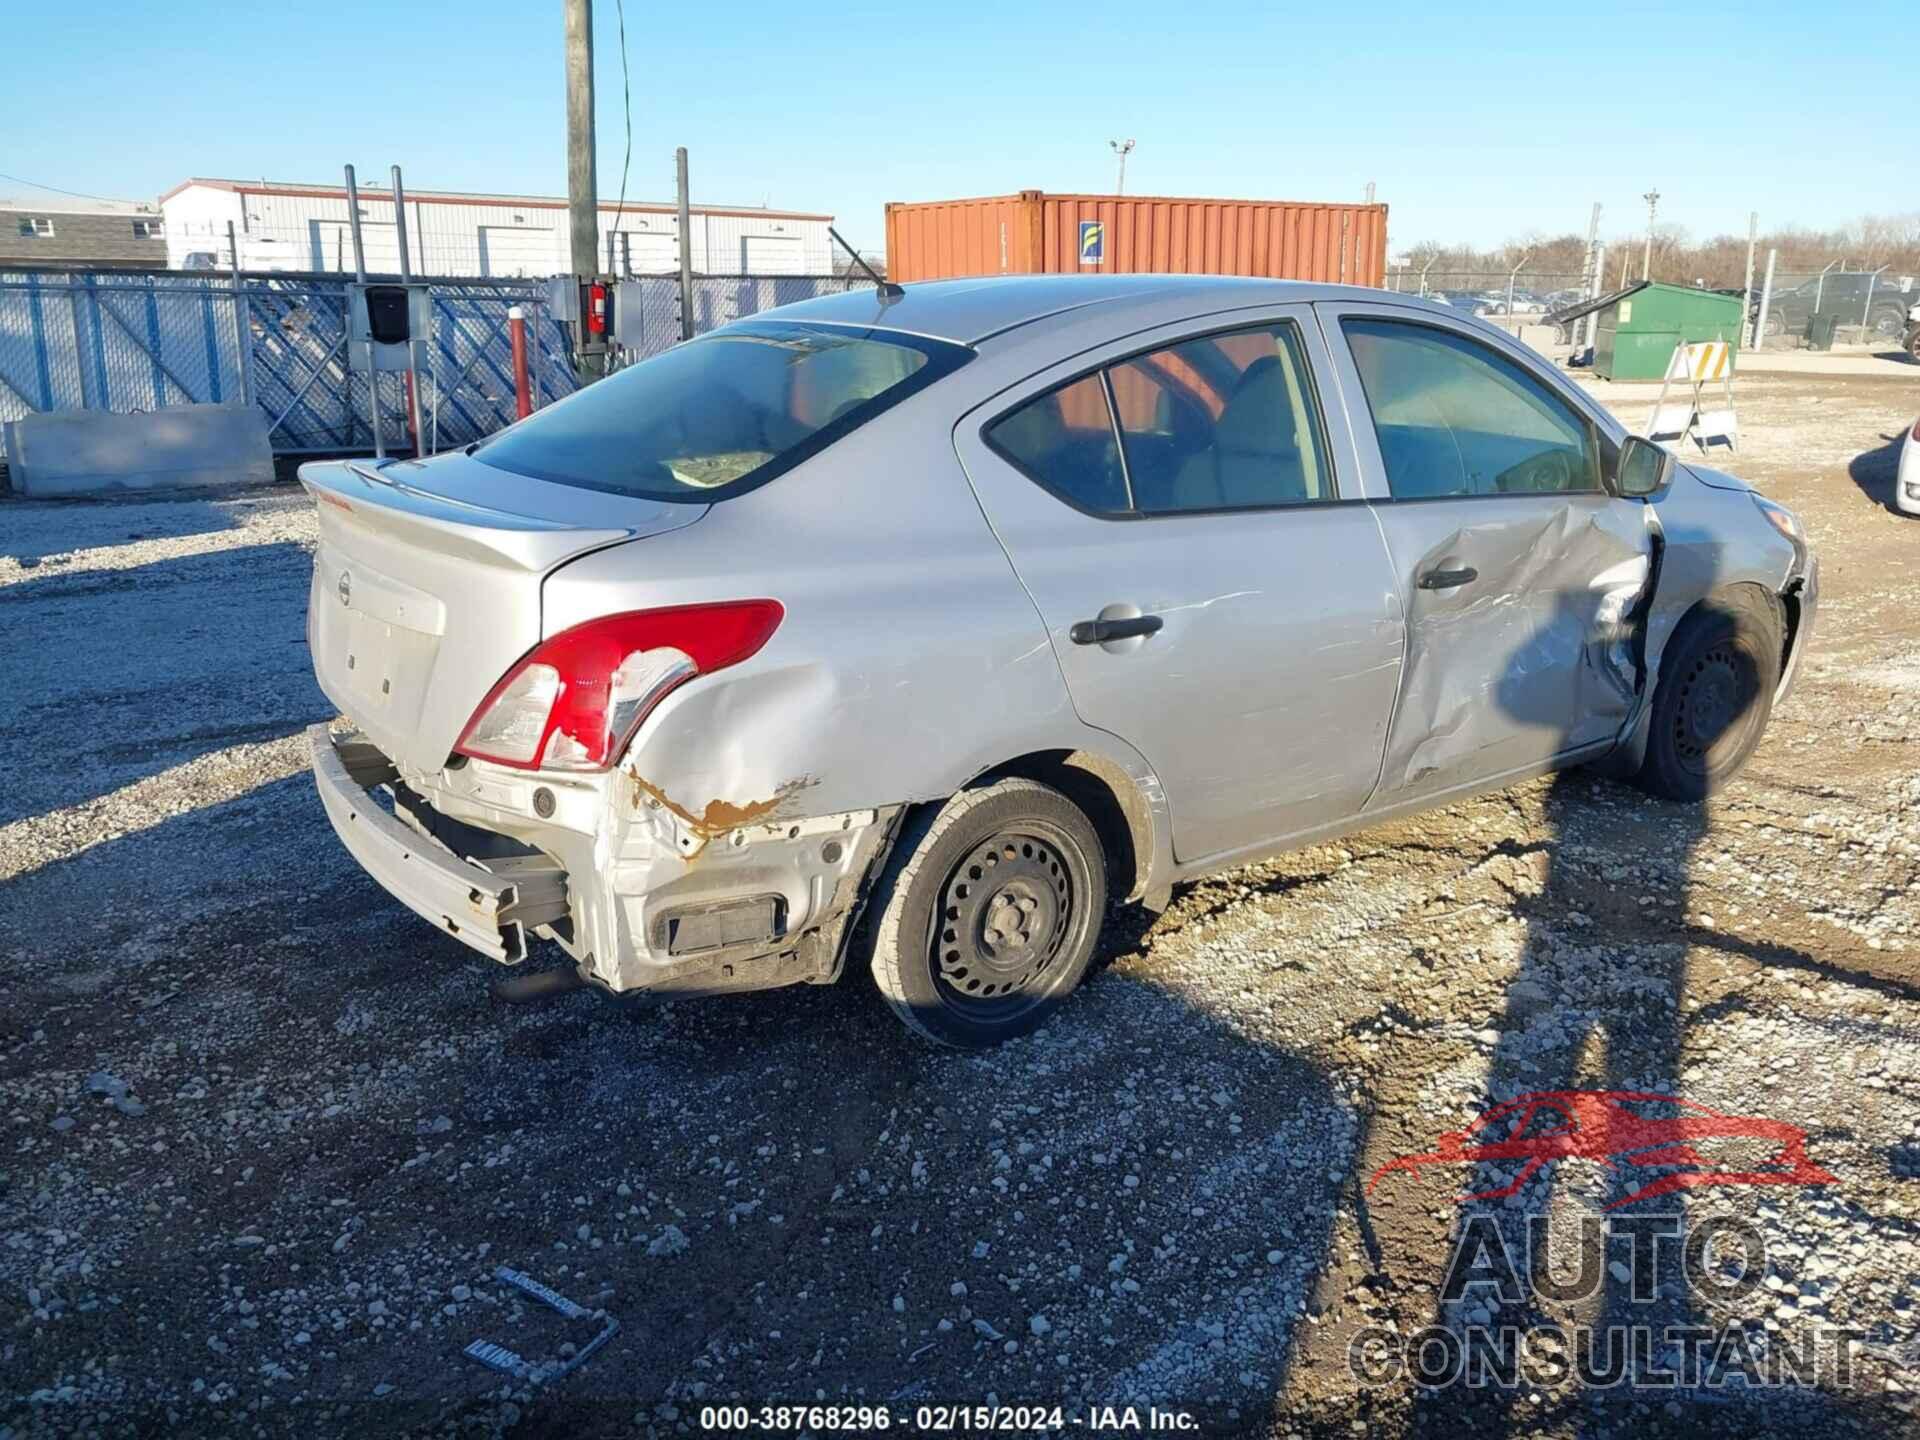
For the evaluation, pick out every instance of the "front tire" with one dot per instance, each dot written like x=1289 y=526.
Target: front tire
x=1715 y=695
x=988 y=913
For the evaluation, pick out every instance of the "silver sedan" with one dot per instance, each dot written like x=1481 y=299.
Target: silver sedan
x=909 y=630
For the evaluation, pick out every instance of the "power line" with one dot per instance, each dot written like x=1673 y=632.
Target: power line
x=626 y=105
x=55 y=189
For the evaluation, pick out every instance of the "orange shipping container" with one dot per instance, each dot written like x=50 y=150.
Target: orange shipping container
x=1035 y=233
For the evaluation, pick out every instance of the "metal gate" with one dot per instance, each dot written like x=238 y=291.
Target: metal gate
x=136 y=340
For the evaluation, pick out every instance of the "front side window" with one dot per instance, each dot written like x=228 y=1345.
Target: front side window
x=1455 y=418
x=719 y=415
x=1224 y=422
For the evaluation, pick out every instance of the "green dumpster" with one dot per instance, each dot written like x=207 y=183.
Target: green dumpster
x=1640 y=326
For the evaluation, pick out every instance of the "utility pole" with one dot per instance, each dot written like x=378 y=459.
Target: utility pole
x=583 y=196
x=1652 y=197
x=1746 y=286
x=1592 y=279
x=1122 y=148
x=685 y=199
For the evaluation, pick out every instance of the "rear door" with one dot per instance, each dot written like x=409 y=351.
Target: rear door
x=1179 y=508
x=1518 y=570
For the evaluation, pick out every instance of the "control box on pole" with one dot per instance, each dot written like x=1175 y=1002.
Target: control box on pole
x=389 y=326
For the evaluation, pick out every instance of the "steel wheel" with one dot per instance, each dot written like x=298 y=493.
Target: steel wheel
x=1004 y=911
x=1715 y=693
x=1714 y=707
x=988 y=912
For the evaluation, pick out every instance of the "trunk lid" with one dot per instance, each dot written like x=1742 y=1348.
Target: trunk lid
x=426 y=584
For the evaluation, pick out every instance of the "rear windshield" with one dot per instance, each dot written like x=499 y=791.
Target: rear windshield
x=724 y=413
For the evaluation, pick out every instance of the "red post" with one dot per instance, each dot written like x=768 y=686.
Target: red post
x=522 y=383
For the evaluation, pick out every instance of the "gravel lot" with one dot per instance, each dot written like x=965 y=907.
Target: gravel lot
x=270 y=1138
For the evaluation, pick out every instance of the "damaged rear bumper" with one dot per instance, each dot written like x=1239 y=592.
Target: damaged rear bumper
x=642 y=892
x=486 y=910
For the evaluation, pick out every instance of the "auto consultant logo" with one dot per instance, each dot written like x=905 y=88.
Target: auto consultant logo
x=346 y=588
x=1653 y=1300
x=1664 y=1143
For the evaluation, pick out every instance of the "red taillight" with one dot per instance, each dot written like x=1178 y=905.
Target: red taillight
x=574 y=701
x=1916 y=431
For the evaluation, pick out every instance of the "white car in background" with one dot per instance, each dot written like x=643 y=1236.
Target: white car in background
x=1906 y=485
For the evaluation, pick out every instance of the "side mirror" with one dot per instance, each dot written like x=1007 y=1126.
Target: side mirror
x=1645 y=469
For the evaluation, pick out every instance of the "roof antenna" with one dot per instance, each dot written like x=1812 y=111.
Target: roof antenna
x=888 y=290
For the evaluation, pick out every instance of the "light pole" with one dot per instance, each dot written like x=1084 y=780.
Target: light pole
x=1122 y=148
x=1652 y=197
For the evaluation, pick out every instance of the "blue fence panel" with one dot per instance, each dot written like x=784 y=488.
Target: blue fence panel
x=126 y=341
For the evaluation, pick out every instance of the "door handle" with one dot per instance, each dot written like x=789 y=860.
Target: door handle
x=1098 y=632
x=1448 y=579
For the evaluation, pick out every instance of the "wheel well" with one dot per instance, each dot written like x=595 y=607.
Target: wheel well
x=1790 y=622
x=1106 y=796
x=1782 y=610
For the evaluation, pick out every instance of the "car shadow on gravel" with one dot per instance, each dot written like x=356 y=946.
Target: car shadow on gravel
x=1599 y=1002
x=1876 y=472
x=168 y=661
x=339 y=1138
x=81 y=523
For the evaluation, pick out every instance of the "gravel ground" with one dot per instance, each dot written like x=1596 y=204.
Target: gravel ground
x=270 y=1138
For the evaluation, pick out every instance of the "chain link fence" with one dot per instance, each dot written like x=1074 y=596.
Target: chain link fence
x=1524 y=295
x=1839 y=304
x=128 y=342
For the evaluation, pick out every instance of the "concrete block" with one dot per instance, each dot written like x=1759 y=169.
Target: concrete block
x=93 y=452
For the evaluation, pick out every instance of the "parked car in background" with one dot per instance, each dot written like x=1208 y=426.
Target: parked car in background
x=1906 y=481
x=1912 y=340
x=1852 y=297
x=964 y=608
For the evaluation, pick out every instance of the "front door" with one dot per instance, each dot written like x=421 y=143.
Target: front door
x=1518 y=569
x=1179 y=510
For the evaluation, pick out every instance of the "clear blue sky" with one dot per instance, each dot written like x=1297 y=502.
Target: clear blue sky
x=1476 y=129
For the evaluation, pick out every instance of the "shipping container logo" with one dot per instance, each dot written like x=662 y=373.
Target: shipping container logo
x=1093 y=242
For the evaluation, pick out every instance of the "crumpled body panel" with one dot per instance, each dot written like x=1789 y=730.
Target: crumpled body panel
x=1529 y=659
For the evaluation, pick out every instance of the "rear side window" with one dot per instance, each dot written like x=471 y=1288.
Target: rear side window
x=1065 y=440
x=1455 y=418
x=717 y=416
x=1223 y=422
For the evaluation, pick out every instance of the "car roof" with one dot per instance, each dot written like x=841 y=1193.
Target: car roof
x=970 y=311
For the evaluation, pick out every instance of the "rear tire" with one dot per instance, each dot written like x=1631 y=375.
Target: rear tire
x=988 y=913
x=1715 y=695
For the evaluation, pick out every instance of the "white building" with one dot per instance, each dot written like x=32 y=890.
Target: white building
x=305 y=228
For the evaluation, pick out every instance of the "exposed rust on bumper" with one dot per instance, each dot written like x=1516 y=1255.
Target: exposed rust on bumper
x=720 y=816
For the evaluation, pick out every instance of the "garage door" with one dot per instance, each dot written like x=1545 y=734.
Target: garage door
x=772 y=255
x=517 y=250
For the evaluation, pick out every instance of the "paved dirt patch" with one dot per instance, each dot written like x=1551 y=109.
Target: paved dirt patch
x=270 y=1139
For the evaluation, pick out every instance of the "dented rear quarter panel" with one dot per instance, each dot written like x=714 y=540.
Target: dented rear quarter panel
x=909 y=660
